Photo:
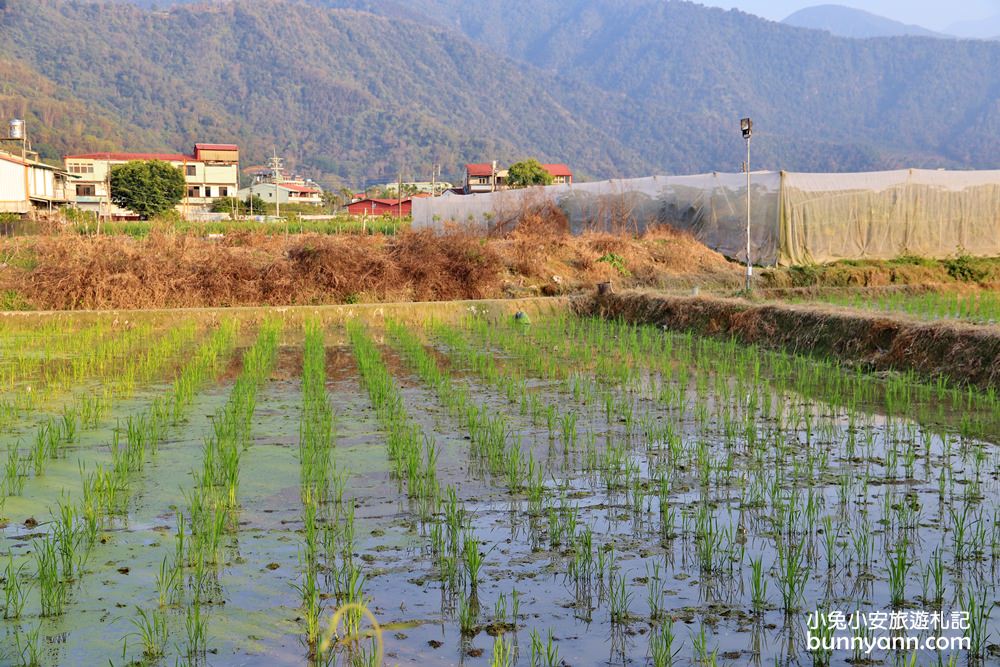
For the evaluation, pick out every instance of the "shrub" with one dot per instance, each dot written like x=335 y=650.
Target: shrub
x=965 y=268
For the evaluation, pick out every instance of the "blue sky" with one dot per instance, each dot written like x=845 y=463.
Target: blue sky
x=933 y=14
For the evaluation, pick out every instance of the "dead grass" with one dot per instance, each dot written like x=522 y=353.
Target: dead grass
x=171 y=270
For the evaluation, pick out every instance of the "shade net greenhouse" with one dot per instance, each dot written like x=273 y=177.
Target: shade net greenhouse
x=796 y=218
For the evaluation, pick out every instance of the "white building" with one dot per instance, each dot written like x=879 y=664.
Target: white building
x=211 y=172
x=285 y=193
x=28 y=185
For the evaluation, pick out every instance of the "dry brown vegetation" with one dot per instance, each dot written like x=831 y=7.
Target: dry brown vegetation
x=66 y=271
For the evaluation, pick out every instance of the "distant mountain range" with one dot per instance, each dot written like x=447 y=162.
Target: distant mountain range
x=850 y=22
x=357 y=90
x=857 y=23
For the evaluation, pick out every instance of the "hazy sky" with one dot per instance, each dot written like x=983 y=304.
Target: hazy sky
x=933 y=14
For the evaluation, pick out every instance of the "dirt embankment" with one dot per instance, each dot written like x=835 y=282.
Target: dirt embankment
x=964 y=353
x=65 y=272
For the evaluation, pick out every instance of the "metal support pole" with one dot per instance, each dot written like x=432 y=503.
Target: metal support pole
x=749 y=264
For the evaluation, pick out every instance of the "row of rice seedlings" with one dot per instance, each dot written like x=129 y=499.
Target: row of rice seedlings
x=316 y=465
x=54 y=435
x=982 y=306
x=216 y=493
x=213 y=504
x=412 y=455
x=459 y=555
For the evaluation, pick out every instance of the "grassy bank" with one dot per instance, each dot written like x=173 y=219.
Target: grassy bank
x=904 y=270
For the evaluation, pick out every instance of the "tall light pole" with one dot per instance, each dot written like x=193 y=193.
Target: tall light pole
x=746 y=125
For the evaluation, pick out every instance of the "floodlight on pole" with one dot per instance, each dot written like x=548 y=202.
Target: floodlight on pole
x=746 y=126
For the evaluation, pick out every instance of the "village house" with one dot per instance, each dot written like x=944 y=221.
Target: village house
x=377 y=206
x=284 y=193
x=27 y=185
x=561 y=174
x=211 y=171
x=486 y=177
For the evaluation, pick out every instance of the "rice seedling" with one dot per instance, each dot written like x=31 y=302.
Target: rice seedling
x=168 y=583
x=503 y=653
x=15 y=474
x=619 y=599
x=468 y=616
x=473 y=559
x=758 y=585
x=544 y=655
x=52 y=586
x=15 y=590
x=196 y=632
x=29 y=649
x=151 y=629
x=661 y=645
x=699 y=642
x=898 y=566
x=654 y=591
x=792 y=575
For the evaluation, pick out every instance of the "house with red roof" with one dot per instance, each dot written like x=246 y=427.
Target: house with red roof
x=487 y=177
x=561 y=174
x=376 y=206
x=211 y=171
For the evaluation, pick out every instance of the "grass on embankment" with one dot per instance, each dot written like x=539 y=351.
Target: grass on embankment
x=962 y=270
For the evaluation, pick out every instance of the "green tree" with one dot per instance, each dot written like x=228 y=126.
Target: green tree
x=238 y=206
x=527 y=172
x=147 y=187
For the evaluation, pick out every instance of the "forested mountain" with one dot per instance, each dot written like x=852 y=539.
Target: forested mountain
x=356 y=89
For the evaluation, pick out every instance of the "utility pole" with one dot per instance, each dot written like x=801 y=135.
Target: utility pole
x=276 y=168
x=399 y=196
x=746 y=126
x=493 y=179
x=434 y=169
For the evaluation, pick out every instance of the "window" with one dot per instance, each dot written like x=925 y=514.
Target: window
x=208 y=190
x=223 y=191
x=80 y=168
x=86 y=191
x=194 y=191
x=190 y=169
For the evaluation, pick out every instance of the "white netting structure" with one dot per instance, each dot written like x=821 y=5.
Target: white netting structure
x=796 y=218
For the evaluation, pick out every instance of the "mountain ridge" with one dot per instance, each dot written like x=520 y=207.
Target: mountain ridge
x=613 y=88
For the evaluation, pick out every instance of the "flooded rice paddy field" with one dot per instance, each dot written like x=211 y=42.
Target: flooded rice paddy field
x=566 y=491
